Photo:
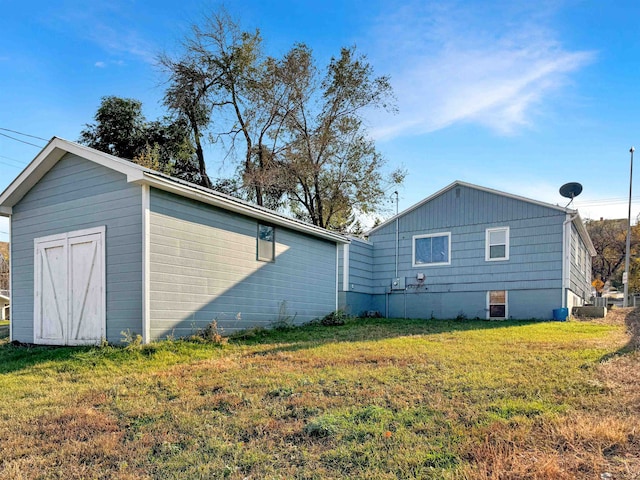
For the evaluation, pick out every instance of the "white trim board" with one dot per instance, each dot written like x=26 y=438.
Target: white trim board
x=146 y=264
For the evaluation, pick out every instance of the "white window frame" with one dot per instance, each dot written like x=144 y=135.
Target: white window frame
x=263 y=258
x=506 y=305
x=487 y=243
x=430 y=235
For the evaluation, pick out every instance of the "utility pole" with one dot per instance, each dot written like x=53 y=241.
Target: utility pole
x=625 y=275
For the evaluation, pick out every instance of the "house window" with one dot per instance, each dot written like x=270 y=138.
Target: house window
x=497 y=304
x=497 y=244
x=432 y=249
x=266 y=243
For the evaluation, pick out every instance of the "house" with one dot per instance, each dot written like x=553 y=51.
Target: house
x=4 y=306
x=100 y=246
x=4 y=281
x=469 y=251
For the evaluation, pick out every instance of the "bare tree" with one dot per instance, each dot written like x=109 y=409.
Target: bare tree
x=609 y=240
x=298 y=132
x=336 y=168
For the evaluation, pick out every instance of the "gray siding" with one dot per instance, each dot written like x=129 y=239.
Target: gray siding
x=357 y=304
x=532 y=275
x=357 y=299
x=522 y=304
x=580 y=275
x=77 y=194
x=360 y=266
x=203 y=267
x=535 y=258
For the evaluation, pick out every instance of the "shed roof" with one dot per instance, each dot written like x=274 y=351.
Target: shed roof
x=58 y=147
x=574 y=215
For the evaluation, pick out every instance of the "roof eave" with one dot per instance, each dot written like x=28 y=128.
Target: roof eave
x=48 y=157
x=211 y=198
x=582 y=231
x=57 y=148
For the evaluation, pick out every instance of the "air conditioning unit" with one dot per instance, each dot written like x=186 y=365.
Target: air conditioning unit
x=397 y=283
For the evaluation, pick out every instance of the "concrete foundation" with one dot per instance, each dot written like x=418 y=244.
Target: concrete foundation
x=589 y=312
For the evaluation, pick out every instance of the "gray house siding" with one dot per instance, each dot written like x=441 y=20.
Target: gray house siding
x=356 y=298
x=204 y=267
x=535 y=240
x=580 y=277
x=532 y=275
x=78 y=194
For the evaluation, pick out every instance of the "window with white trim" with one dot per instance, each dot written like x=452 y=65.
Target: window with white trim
x=432 y=249
x=497 y=304
x=497 y=244
x=266 y=243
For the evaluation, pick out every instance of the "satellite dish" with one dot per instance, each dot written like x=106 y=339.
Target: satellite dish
x=570 y=190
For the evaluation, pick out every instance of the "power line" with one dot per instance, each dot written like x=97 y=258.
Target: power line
x=14 y=159
x=12 y=165
x=18 y=140
x=23 y=134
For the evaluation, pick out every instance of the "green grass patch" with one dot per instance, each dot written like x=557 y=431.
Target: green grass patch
x=372 y=398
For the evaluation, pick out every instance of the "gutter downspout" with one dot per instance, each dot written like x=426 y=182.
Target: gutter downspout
x=146 y=264
x=566 y=258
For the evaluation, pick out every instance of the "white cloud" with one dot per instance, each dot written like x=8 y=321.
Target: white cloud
x=453 y=64
x=100 y=64
x=112 y=29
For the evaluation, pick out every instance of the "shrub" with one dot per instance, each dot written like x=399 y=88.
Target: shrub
x=131 y=339
x=212 y=333
x=339 y=317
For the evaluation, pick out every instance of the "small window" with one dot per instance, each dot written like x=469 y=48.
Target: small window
x=266 y=243
x=497 y=304
x=497 y=244
x=432 y=249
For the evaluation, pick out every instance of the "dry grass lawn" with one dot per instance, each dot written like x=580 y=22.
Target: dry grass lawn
x=373 y=399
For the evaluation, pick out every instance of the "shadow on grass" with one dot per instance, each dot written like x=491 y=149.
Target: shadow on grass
x=362 y=330
x=15 y=357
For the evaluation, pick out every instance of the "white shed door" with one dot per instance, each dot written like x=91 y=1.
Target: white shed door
x=69 y=307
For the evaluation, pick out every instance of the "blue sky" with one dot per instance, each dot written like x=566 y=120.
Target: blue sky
x=517 y=96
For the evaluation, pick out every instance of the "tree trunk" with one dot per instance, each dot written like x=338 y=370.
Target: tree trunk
x=204 y=178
